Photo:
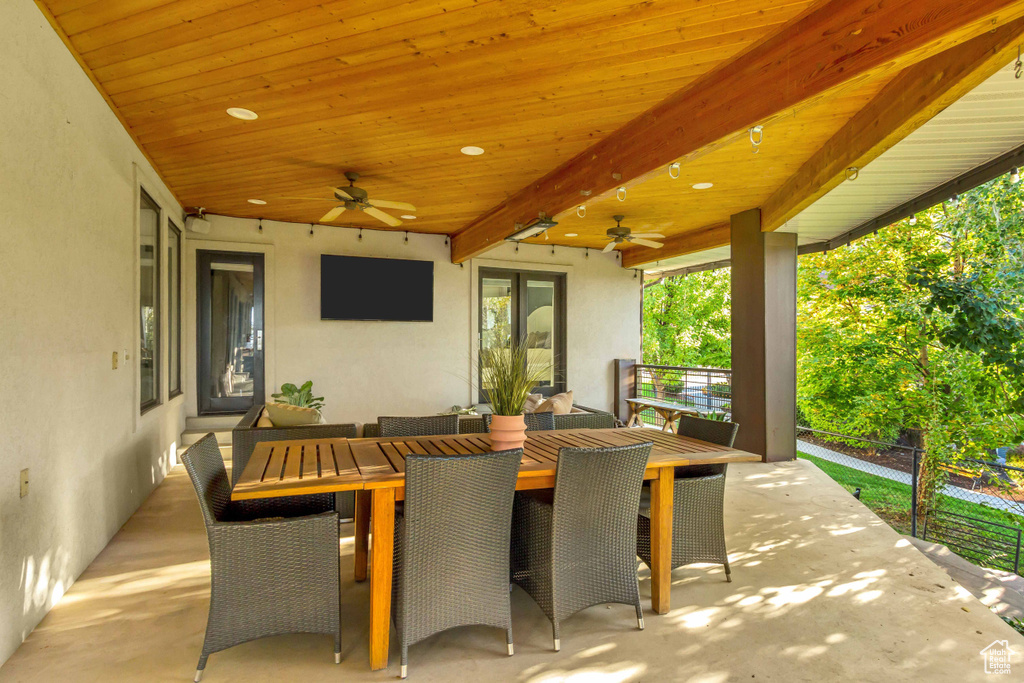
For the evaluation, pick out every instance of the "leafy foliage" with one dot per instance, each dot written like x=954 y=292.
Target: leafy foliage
x=686 y=320
x=299 y=396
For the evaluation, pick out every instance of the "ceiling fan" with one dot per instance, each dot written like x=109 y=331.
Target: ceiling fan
x=354 y=198
x=619 y=234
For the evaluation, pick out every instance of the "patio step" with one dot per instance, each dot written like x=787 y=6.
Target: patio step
x=212 y=422
x=190 y=436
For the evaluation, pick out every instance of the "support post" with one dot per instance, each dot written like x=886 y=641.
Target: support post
x=763 y=337
x=625 y=386
x=915 y=471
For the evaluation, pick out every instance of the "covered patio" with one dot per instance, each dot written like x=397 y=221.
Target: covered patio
x=823 y=590
x=196 y=225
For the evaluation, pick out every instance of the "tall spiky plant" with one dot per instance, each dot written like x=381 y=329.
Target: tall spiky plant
x=509 y=375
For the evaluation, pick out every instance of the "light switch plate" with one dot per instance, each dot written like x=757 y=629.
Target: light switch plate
x=24 y=482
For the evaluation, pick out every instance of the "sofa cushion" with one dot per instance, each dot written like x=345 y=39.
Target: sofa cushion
x=559 y=404
x=284 y=415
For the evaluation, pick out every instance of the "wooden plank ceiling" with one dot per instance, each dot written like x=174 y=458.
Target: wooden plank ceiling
x=393 y=89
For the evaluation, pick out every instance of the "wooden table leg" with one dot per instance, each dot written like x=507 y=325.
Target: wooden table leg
x=662 y=489
x=362 y=534
x=383 y=550
x=634 y=417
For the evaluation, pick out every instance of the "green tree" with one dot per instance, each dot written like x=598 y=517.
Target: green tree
x=686 y=320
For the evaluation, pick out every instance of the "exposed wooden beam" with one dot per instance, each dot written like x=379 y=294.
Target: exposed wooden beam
x=909 y=101
x=687 y=243
x=831 y=44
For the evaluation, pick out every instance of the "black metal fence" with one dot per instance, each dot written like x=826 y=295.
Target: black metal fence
x=977 y=511
x=706 y=389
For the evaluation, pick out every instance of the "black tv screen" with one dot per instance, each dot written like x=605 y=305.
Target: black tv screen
x=357 y=288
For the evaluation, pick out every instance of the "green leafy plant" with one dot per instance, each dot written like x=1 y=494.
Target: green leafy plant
x=299 y=396
x=509 y=374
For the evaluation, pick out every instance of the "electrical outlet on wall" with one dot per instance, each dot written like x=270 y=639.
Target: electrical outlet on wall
x=24 y=482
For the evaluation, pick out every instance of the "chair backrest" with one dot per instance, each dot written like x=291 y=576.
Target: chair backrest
x=712 y=431
x=458 y=519
x=205 y=467
x=535 y=422
x=418 y=426
x=597 y=495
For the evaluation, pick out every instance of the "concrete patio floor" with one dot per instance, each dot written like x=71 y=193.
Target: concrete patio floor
x=823 y=591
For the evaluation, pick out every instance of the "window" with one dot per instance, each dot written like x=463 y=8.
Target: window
x=174 y=308
x=149 y=302
x=525 y=304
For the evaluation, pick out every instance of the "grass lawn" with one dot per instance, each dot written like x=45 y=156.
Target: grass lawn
x=890 y=500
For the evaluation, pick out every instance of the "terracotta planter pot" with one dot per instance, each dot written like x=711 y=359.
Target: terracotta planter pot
x=507 y=432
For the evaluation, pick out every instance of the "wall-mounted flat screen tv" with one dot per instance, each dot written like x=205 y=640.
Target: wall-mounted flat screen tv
x=357 y=288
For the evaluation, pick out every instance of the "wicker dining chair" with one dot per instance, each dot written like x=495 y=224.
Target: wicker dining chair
x=418 y=426
x=268 y=576
x=698 y=503
x=535 y=422
x=452 y=545
x=579 y=549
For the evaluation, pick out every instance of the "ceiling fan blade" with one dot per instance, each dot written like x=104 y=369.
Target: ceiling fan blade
x=647 y=243
x=332 y=214
x=644 y=235
x=341 y=191
x=608 y=247
x=383 y=217
x=385 y=204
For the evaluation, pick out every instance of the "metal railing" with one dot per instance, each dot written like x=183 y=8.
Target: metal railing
x=978 y=512
x=707 y=389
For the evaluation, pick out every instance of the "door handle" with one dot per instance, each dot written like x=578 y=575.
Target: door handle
x=259 y=340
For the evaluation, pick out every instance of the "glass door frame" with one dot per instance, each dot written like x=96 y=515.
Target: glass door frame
x=519 y=314
x=230 y=405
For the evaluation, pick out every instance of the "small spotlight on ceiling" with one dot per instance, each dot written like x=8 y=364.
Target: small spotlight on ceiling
x=258 y=202
x=1014 y=175
x=472 y=150
x=408 y=217
x=571 y=234
x=702 y=186
x=244 y=114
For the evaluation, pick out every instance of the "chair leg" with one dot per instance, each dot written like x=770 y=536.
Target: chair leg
x=639 y=616
x=200 y=668
x=405 y=661
x=508 y=640
x=337 y=648
x=554 y=629
x=728 y=571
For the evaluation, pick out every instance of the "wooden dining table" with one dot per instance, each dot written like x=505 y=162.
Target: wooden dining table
x=375 y=469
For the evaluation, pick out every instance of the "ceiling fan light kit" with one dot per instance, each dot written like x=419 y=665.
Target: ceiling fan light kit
x=354 y=198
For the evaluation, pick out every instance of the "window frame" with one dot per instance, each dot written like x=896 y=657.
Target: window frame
x=174 y=234
x=157 y=400
x=520 y=278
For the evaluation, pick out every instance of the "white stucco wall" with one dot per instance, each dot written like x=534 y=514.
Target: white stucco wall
x=366 y=369
x=68 y=259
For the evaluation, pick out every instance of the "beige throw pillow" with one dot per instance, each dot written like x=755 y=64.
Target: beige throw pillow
x=284 y=415
x=532 y=401
x=264 y=422
x=559 y=404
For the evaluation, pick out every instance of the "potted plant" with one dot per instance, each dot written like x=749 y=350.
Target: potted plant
x=509 y=374
x=299 y=396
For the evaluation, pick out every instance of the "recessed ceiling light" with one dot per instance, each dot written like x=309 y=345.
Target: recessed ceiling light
x=571 y=234
x=472 y=150
x=703 y=186
x=258 y=202
x=409 y=217
x=244 y=114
